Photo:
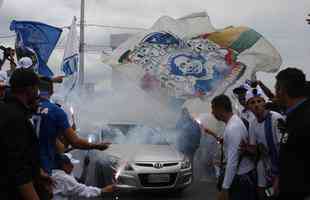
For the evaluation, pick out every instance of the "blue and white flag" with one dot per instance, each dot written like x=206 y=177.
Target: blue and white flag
x=70 y=61
x=69 y=64
x=37 y=41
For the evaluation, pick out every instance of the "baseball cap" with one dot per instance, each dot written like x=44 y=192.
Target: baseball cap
x=24 y=62
x=242 y=88
x=239 y=90
x=254 y=92
x=22 y=78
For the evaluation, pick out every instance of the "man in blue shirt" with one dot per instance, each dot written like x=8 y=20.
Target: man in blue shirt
x=53 y=122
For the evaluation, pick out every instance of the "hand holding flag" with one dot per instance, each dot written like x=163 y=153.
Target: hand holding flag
x=37 y=41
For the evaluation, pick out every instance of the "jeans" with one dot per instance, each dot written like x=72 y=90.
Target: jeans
x=243 y=187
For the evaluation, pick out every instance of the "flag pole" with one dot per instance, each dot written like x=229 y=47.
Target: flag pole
x=82 y=45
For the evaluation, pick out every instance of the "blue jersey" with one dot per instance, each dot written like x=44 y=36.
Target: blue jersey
x=51 y=122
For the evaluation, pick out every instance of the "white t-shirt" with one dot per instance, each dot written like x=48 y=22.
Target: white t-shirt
x=247 y=114
x=250 y=117
x=258 y=130
x=234 y=132
x=67 y=187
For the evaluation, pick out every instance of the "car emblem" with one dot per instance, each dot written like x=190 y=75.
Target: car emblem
x=158 y=165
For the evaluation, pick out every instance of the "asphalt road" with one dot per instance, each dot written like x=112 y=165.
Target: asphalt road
x=199 y=190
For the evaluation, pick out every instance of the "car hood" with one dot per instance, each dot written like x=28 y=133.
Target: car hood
x=145 y=153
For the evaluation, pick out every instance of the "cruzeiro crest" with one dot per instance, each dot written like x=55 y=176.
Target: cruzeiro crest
x=70 y=65
x=186 y=68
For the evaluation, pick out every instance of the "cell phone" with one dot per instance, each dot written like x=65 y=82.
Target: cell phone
x=269 y=192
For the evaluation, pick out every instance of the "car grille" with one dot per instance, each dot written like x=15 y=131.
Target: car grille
x=145 y=164
x=152 y=164
x=170 y=164
x=145 y=183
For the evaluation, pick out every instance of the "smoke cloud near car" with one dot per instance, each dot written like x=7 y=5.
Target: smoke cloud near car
x=126 y=103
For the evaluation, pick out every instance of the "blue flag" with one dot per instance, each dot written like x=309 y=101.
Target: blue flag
x=36 y=40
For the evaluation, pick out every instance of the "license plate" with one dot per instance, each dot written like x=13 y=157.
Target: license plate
x=158 y=178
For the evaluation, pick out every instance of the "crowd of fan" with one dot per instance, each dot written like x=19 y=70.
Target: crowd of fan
x=264 y=145
x=35 y=133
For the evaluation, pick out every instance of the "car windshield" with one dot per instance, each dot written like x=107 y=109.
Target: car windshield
x=137 y=134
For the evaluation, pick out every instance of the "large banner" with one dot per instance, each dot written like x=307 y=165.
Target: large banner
x=37 y=41
x=188 y=58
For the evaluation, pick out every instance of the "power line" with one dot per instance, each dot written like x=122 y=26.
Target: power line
x=92 y=49
x=91 y=25
x=88 y=45
x=7 y=36
x=116 y=27
x=87 y=25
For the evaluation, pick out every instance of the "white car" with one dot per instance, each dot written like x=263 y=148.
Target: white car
x=142 y=159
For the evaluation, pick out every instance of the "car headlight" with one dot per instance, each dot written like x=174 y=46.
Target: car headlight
x=185 y=164
x=128 y=167
x=114 y=162
x=118 y=164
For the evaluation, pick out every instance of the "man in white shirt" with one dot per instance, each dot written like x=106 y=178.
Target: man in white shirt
x=68 y=187
x=267 y=138
x=239 y=180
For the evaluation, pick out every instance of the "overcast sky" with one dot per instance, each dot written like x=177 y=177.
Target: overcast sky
x=282 y=22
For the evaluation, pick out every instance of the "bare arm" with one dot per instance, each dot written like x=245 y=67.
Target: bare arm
x=108 y=189
x=28 y=192
x=57 y=79
x=80 y=143
x=218 y=138
x=60 y=147
x=266 y=90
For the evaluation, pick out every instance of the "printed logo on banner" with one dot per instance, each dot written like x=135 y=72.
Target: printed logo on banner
x=185 y=68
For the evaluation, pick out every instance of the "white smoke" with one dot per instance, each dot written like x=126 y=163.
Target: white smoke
x=126 y=103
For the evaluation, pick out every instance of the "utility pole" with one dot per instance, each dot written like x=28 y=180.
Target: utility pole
x=82 y=45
